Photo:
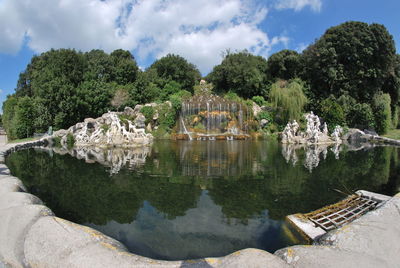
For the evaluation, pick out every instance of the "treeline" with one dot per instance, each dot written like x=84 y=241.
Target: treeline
x=350 y=76
x=62 y=87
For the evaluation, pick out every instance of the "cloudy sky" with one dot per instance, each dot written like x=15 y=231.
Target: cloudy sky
x=198 y=30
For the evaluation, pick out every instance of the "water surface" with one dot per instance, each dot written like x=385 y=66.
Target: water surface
x=191 y=199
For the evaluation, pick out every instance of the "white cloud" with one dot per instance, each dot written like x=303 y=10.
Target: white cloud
x=198 y=30
x=298 y=5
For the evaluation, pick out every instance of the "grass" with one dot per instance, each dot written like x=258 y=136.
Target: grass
x=393 y=134
x=24 y=140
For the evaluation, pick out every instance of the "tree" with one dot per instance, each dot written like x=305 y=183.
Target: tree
x=9 y=109
x=24 y=118
x=288 y=99
x=353 y=57
x=285 y=64
x=124 y=69
x=332 y=113
x=242 y=73
x=175 y=68
x=382 y=111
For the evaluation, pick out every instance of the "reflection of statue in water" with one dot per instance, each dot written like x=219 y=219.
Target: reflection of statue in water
x=312 y=153
x=115 y=158
x=313 y=133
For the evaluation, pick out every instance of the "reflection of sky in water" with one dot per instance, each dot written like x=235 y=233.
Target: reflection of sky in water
x=203 y=231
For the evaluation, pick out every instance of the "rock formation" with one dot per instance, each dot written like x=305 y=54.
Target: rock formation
x=313 y=134
x=111 y=129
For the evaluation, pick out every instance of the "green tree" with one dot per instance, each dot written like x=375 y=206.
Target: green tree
x=285 y=64
x=124 y=69
x=288 y=100
x=352 y=57
x=242 y=73
x=383 y=114
x=24 y=117
x=332 y=113
x=175 y=68
x=9 y=109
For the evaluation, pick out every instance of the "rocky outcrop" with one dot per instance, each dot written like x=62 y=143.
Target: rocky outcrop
x=125 y=129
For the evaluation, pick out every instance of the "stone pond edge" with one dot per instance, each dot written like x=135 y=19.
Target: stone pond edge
x=32 y=236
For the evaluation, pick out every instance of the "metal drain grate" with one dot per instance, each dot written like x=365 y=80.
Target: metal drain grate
x=345 y=211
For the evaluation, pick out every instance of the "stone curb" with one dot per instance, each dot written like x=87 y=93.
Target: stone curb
x=30 y=236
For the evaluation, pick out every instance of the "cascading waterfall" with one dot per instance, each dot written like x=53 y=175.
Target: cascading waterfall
x=211 y=117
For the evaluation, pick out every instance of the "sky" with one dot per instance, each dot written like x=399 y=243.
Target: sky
x=199 y=30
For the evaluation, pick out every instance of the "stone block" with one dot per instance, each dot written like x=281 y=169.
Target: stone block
x=250 y=257
x=328 y=257
x=15 y=199
x=374 y=234
x=11 y=185
x=14 y=225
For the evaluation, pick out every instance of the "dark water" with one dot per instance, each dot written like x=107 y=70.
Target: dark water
x=181 y=200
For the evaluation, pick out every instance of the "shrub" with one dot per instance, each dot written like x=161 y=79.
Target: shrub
x=382 y=111
x=395 y=117
x=148 y=112
x=259 y=100
x=360 y=115
x=332 y=112
x=167 y=116
x=57 y=141
x=264 y=115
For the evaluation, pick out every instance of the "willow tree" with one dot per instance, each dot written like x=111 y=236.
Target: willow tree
x=288 y=100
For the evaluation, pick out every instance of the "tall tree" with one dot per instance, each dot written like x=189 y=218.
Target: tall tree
x=285 y=64
x=353 y=57
x=175 y=68
x=242 y=73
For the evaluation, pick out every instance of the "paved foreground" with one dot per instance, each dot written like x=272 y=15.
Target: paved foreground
x=32 y=236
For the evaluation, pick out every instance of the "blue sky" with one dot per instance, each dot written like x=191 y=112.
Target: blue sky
x=199 y=30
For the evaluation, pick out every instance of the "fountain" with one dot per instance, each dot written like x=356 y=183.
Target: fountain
x=206 y=116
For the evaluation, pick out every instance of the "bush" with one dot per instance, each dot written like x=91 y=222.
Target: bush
x=332 y=112
x=382 y=111
x=57 y=141
x=167 y=116
x=148 y=112
x=259 y=100
x=360 y=116
x=264 y=115
x=395 y=117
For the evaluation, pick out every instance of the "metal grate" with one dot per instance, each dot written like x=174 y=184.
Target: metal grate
x=345 y=211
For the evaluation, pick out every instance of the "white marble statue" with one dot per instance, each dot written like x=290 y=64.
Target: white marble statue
x=313 y=133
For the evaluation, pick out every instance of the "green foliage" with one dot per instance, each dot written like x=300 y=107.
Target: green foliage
x=9 y=109
x=167 y=116
x=174 y=68
x=232 y=96
x=288 y=99
x=383 y=115
x=203 y=88
x=353 y=57
x=70 y=141
x=264 y=115
x=24 y=118
x=332 y=113
x=241 y=73
x=259 y=100
x=361 y=116
x=285 y=64
x=395 y=117
x=170 y=88
x=148 y=112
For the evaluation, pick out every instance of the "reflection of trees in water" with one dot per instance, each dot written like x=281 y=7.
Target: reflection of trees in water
x=245 y=179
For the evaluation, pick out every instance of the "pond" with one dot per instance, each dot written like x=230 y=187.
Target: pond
x=192 y=199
